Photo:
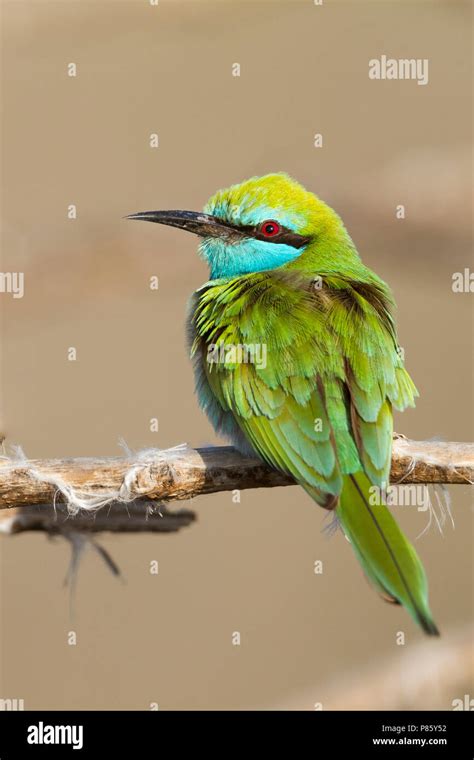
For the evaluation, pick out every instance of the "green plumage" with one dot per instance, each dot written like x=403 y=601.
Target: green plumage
x=388 y=559
x=286 y=276
x=321 y=410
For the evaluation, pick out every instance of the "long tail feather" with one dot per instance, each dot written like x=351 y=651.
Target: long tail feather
x=387 y=557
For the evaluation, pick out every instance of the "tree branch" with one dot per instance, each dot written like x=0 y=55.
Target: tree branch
x=138 y=517
x=428 y=675
x=86 y=484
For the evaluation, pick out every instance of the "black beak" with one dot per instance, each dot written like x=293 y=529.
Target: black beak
x=200 y=224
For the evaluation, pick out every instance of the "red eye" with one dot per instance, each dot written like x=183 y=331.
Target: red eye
x=270 y=228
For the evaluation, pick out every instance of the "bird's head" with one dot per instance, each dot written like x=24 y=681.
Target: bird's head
x=260 y=224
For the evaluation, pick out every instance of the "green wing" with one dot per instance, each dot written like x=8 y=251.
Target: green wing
x=319 y=408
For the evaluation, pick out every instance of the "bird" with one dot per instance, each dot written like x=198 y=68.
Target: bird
x=317 y=405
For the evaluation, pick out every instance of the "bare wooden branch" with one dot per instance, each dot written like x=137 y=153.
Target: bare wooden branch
x=138 y=517
x=428 y=675
x=169 y=475
x=181 y=473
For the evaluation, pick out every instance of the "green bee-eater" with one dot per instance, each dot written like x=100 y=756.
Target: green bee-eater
x=296 y=359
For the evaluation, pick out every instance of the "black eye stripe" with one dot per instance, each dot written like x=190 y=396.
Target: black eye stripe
x=285 y=236
x=288 y=237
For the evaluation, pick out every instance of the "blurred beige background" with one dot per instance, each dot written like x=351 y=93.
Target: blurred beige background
x=244 y=567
